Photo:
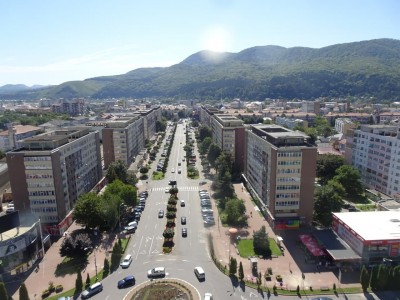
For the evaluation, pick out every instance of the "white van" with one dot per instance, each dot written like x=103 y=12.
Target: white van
x=92 y=290
x=199 y=272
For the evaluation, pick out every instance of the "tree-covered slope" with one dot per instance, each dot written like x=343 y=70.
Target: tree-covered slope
x=367 y=68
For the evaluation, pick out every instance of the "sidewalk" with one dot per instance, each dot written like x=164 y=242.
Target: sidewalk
x=37 y=282
x=286 y=265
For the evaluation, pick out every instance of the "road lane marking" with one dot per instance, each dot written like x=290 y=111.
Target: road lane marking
x=151 y=245
x=139 y=247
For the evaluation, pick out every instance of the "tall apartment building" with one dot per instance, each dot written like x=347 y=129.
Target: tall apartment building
x=150 y=116
x=228 y=134
x=207 y=113
x=123 y=139
x=343 y=124
x=9 y=138
x=51 y=170
x=374 y=151
x=72 y=107
x=280 y=170
x=311 y=107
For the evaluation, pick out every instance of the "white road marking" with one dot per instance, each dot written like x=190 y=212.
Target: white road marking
x=139 y=247
x=253 y=295
x=151 y=245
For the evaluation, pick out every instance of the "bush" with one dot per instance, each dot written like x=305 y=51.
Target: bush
x=269 y=270
x=59 y=288
x=45 y=294
x=279 y=278
x=167 y=249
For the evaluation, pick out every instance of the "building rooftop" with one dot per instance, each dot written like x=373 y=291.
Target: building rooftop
x=373 y=225
x=20 y=129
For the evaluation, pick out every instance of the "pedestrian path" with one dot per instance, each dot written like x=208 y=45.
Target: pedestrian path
x=180 y=188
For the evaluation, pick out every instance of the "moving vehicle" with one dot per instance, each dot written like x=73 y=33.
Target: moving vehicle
x=161 y=213
x=199 y=272
x=167 y=189
x=127 y=281
x=182 y=203
x=179 y=171
x=92 y=290
x=208 y=296
x=183 y=220
x=126 y=262
x=156 y=272
x=173 y=170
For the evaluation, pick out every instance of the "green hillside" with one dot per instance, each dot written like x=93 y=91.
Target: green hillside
x=367 y=68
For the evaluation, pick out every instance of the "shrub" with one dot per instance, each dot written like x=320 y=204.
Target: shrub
x=51 y=288
x=269 y=270
x=45 y=294
x=167 y=249
x=279 y=278
x=59 y=288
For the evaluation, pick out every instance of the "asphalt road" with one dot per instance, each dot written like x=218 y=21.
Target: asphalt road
x=191 y=251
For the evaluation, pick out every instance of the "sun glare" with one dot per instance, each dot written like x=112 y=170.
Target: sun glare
x=216 y=39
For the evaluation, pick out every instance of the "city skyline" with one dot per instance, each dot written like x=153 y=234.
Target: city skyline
x=53 y=42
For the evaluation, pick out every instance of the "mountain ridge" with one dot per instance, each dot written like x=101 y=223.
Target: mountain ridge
x=366 y=68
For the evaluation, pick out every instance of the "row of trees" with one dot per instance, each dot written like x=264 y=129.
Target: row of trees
x=381 y=277
x=23 y=292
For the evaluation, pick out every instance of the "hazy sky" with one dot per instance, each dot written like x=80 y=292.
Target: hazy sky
x=53 y=41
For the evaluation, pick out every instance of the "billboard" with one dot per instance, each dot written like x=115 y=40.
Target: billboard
x=9 y=221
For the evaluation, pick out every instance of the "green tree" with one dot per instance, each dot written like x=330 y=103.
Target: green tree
x=374 y=278
x=168 y=233
x=78 y=283
x=241 y=273
x=213 y=153
x=87 y=284
x=232 y=266
x=261 y=242
x=204 y=131
x=115 y=257
x=161 y=125
x=327 y=164
x=3 y=291
x=88 y=211
x=23 y=293
x=327 y=200
x=235 y=211
x=75 y=246
x=350 y=179
x=106 y=268
x=364 y=278
x=127 y=193
x=205 y=145
x=383 y=276
x=118 y=170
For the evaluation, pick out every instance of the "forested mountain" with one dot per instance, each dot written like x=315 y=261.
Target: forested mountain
x=367 y=68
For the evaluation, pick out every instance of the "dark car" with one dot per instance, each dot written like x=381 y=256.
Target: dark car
x=184 y=232
x=183 y=220
x=127 y=281
x=137 y=216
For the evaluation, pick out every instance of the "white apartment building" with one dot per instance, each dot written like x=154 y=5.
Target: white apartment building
x=375 y=151
x=343 y=124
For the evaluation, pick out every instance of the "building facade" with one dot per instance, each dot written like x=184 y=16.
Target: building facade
x=373 y=150
x=343 y=124
x=280 y=171
x=9 y=138
x=51 y=170
x=123 y=139
x=150 y=117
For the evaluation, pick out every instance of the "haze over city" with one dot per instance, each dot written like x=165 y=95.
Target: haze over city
x=50 y=42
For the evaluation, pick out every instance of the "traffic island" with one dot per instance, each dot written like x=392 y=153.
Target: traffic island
x=163 y=289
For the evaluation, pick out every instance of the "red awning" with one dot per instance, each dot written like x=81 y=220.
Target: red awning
x=311 y=245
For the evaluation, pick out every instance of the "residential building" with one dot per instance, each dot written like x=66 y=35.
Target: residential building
x=206 y=114
x=373 y=150
x=343 y=124
x=72 y=107
x=280 y=171
x=123 y=138
x=9 y=138
x=51 y=170
x=311 y=107
x=150 y=116
x=228 y=134
x=387 y=117
x=290 y=122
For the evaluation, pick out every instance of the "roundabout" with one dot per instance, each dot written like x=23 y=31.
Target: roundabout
x=171 y=288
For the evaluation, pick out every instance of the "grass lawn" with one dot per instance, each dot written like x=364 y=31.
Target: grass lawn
x=246 y=249
x=157 y=175
x=124 y=243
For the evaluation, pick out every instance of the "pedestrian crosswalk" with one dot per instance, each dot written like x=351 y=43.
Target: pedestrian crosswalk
x=180 y=188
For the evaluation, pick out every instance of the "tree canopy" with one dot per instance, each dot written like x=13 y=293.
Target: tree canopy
x=350 y=179
x=261 y=242
x=327 y=164
x=327 y=200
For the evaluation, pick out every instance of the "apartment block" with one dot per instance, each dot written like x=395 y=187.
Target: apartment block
x=207 y=113
x=72 y=107
x=374 y=151
x=9 y=138
x=51 y=170
x=280 y=170
x=343 y=124
x=123 y=139
x=150 y=116
x=228 y=134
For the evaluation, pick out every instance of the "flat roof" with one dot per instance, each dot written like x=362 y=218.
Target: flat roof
x=334 y=245
x=373 y=225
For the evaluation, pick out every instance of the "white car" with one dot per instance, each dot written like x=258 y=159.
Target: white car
x=173 y=170
x=208 y=296
x=126 y=262
x=167 y=189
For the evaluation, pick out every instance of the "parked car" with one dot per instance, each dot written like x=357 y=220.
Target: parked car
x=184 y=232
x=126 y=262
x=156 y=272
x=127 y=281
x=129 y=229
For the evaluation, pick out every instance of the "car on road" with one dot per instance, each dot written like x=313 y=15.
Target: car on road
x=200 y=274
x=133 y=224
x=183 y=159
x=156 y=272
x=179 y=163
x=182 y=203
x=173 y=170
x=208 y=296
x=167 y=189
x=184 y=232
x=127 y=281
x=183 y=220
x=144 y=194
x=129 y=229
x=179 y=171
x=161 y=213
x=92 y=290
x=126 y=262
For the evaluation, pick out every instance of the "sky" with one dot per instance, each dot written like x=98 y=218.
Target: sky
x=50 y=42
